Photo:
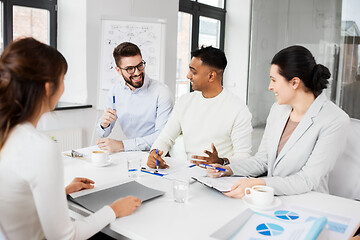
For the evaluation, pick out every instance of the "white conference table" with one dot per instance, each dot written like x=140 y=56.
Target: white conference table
x=205 y=211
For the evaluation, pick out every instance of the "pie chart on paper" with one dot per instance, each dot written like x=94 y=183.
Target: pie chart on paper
x=269 y=229
x=286 y=215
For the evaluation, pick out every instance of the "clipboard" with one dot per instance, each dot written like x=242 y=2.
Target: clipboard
x=222 y=184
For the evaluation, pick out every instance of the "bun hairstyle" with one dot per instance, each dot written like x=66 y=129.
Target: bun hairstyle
x=297 y=61
x=25 y=66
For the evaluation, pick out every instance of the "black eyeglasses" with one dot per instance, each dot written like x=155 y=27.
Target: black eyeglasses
x=131 y=69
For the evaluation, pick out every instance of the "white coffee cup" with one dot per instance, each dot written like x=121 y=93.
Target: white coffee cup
x=99 y=157
x=260 y=195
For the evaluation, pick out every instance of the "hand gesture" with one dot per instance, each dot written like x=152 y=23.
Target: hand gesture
x=110 y=145
x=238 y=190
x=213 y=157
x=153 y=156
x=108 y=117
x=79 y=184
x=214 y=173
x=125 y=206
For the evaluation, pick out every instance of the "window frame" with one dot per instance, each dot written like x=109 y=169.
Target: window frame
x=198 y=10
x=50 y=5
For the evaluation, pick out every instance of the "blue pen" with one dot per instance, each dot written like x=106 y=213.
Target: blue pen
x=157 y=161
x=114 y=103
x=209 y=166
x=155 y=173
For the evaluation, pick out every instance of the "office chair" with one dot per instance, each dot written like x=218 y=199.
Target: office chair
x=344 y=180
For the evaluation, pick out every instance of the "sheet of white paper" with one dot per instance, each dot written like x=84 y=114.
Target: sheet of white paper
x=187 y=173
x=175 y=165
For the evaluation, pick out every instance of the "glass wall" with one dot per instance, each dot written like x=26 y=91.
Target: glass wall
x=348 y=91
x=276 y=24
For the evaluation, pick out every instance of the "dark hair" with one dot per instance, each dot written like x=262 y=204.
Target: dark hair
x=297 y=61
x=211 y=56
x=125 y=49
x=25 y=66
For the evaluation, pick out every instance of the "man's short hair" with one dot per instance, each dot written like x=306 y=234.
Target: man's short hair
x=125 y=49
x=211 y=56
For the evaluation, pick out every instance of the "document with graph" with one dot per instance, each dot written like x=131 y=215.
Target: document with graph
x=253 y=225
x=288 y=222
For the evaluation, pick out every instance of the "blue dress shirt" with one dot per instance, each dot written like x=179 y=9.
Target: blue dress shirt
x=142 y=113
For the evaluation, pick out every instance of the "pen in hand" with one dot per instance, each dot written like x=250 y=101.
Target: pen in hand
x=157 y=161
x=212 y=167
x=114 y=103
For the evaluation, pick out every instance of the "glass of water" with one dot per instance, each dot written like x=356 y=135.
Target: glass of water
x=134 y=167
x=181 y=190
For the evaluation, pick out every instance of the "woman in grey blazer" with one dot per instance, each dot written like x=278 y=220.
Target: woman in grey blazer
x=304 y=133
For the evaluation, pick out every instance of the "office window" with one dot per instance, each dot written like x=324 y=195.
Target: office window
x=1 y=27
x=209 y=32
x=200 y=22
x=31 y=22
x=215 y=3
x=23 y=18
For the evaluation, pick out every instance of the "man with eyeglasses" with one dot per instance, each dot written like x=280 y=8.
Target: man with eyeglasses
x=215 y=123
x=141 y=105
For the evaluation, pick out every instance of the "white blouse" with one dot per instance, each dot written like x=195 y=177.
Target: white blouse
x=33 y=202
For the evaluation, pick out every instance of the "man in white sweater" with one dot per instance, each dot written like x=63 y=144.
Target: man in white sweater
x=208 y=117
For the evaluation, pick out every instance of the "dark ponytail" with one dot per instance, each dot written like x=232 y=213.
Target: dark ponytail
x=297 y=61
x=25 y=66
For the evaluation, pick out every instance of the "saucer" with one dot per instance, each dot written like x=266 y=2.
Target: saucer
x=248 y=202
x=104 y=164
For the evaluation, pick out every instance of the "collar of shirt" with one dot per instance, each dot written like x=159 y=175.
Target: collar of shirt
x=142 y=88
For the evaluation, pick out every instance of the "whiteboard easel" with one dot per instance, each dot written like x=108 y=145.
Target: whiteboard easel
x=147 y=34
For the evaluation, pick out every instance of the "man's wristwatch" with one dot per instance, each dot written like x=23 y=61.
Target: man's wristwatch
x=225 y=161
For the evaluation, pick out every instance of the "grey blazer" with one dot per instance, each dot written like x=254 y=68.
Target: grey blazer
x=307 y=157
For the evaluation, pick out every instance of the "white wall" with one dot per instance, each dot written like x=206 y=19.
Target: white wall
x=129 y=8
x=79 y=29
x=72 y=44
x=237 y=34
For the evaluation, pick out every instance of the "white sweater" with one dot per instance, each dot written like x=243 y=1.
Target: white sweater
x=33 y=202
x=223 y=120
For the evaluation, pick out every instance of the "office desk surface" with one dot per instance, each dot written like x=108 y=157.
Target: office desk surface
x=205 y=212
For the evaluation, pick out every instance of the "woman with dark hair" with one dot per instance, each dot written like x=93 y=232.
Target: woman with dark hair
x=32 y=197
x=304 y=133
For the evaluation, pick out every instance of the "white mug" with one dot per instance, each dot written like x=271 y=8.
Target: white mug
x=99 y=157
x=260 y=195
